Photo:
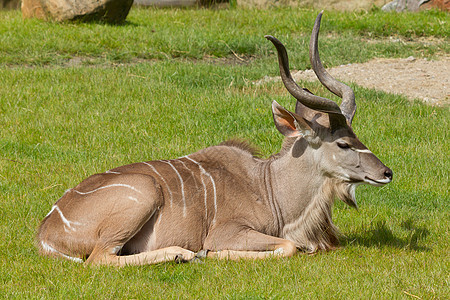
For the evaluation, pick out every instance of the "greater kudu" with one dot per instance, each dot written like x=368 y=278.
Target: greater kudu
x=224 y=199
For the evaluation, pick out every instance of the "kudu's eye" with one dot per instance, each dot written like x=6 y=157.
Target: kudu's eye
x=343 y=145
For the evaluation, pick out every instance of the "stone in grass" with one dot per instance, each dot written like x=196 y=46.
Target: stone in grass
x=9 y=4
x=412 y=5
x=110 y=11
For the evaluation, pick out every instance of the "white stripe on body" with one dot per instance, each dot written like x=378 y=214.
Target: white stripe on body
x=203 y=184
x=162 y=178
x=133 y=199
x=54 y=206
x=51 y=210
x=109 y=186
x=183 y=198
x=112 y=172
x=49 y=248
x=203 y=171
x=187 y=168
x=159 y=218
x=67 y=224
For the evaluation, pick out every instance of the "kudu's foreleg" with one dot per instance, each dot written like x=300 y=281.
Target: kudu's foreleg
x=252 y=244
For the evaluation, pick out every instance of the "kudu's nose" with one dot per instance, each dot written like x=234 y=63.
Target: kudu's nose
x=388 y=173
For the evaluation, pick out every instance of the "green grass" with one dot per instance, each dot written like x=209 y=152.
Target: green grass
x=162 y=34
x=128 y=102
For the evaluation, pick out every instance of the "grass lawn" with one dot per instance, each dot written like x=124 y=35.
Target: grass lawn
x=76 y=99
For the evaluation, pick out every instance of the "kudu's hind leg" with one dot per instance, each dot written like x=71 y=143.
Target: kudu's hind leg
x=124 y=222
x=104 y=256
x=252 y=245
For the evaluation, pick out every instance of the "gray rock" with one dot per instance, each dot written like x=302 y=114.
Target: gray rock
x=402 y=5
x=9 y=4
x=111 y=11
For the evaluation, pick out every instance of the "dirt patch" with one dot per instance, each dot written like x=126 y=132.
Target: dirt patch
x=427 y=80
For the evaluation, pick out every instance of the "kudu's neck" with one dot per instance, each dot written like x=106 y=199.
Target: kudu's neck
x=296 y=179
x=304 y=196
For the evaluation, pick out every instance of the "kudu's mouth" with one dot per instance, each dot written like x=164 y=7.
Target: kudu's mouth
x=377 y=182
x=388 y=175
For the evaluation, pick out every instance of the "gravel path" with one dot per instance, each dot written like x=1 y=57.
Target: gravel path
x=427 y=80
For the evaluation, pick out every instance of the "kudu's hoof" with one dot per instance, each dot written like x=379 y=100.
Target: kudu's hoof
x=202 y=253
x=179 y=259
x=198 y=258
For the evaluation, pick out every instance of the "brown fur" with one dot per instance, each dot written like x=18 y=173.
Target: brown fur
x=243 y=145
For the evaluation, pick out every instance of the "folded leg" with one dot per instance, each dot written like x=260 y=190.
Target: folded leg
x=248 y=244
x=106 y=257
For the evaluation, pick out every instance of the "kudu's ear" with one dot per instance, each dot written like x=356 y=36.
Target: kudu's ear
x=290 y=124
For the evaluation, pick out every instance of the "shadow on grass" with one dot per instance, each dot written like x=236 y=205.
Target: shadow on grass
x=94 y=19
x=381 y=236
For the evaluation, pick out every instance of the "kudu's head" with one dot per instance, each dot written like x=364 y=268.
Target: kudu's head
x=322 y=125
